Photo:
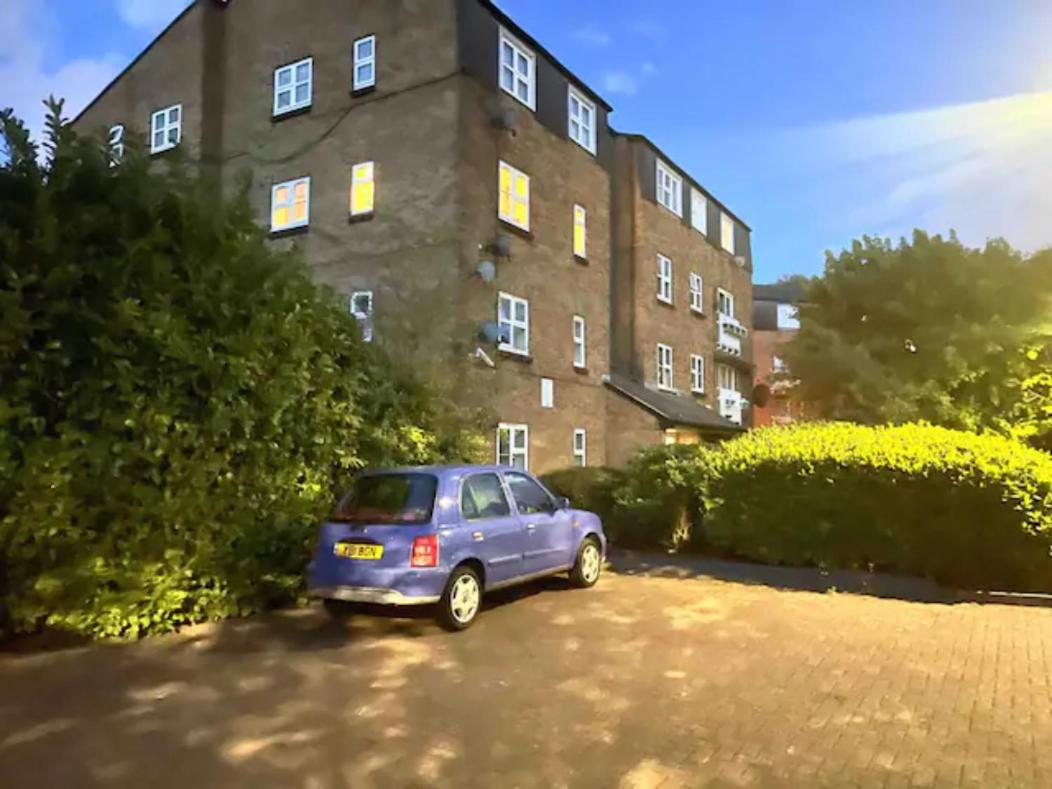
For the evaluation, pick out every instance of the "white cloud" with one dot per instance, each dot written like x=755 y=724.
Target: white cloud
x=981 y=168
x=592 y=36
x=25 y=33
x=620 y=82
x=150 y=14
x=649 y=69
x=649 y=28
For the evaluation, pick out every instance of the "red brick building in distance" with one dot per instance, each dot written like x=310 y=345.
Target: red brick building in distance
x=775 y=322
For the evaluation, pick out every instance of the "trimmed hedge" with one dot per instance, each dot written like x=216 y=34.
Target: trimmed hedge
x=962 y=509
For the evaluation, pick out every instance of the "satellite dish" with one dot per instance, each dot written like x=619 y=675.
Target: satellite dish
x=493 y=333
x=487 y=271
x=761 y=395
x=502 y=245
x=504 y=118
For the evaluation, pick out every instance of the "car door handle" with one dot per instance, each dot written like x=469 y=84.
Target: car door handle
x=531 y=527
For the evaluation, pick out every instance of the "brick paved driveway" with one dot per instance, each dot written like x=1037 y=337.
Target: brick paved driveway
x=643 y=681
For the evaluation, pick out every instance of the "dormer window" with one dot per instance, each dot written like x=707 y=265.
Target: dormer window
x=727 y=233
x=582 y=128
x=518 y=70
x=669 y=189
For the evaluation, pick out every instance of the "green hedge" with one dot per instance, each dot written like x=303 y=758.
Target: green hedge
x=960 y=508
x=178 y=399
x=963 y=509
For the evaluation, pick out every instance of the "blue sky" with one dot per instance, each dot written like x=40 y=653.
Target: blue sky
x=815 y=120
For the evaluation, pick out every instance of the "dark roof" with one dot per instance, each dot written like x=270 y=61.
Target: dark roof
x=533 y=43
x=671 y=408
x=781 y=292
x=664 y=156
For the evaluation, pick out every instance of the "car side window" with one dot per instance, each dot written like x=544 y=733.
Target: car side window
x=481 y=497
x=530 y=497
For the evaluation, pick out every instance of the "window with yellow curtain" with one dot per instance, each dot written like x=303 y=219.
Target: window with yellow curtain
x=580 y=232
x=514 y=197
x=363 y=189
x=290 y=205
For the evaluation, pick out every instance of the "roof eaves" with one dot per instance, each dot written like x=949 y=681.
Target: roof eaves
x=694 y=182
x=138 y=57
x=526 y=38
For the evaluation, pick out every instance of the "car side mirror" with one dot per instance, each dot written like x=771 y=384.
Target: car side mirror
x=562 y=503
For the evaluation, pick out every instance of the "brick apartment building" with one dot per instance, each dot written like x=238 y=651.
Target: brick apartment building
x=775 y=322
x=446 y=173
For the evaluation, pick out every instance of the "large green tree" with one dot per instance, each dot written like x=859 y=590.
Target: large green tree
x=178 y=399
x=928 y=329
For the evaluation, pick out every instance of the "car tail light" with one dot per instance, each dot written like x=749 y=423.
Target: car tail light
x=425 y=551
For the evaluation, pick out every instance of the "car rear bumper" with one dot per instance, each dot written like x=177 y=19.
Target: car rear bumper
x=371 y=594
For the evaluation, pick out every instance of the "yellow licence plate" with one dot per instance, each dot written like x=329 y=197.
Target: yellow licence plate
x=351 y=551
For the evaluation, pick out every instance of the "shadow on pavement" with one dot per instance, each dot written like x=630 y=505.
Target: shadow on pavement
x=810 y=579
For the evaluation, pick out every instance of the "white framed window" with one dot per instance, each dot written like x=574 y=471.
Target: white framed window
x=664 y=279
x=580 y=352
x=724 y=303
x=697 y=374
x=580 y=232
x=290 y=205
x=699 y=212
x=513 y=446
x=664 y=366
x=582 y=128
x=669 y=189
x=363 y=189
x=727 y=233
x=364 y=63
x=547 y=393
x=514 y=197
x=580 y=448
x=116 y=142
x=166 y=128
x=788 y=317
x=726 y=377
x=518 y=70
x=362 y=310
x=697 y=292
x=293 y=86
x=778 y=364
x=513 y=317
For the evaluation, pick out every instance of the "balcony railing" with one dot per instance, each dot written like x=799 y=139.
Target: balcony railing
x=730 y=335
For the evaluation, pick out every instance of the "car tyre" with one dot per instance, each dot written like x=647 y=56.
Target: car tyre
x=589 y=564
x=461 y=601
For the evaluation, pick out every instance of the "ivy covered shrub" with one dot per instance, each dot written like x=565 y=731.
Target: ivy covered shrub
x=178 y=400
x=964 y=509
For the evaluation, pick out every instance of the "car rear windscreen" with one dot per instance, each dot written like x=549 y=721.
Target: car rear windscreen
x=402 y=499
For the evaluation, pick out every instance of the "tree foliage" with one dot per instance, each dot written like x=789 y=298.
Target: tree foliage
x=178 y=400
x=927 y=330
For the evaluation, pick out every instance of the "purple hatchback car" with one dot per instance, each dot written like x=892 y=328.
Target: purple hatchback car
x=447 y=535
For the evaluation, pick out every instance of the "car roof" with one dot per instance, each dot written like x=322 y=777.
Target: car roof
x=440 y=471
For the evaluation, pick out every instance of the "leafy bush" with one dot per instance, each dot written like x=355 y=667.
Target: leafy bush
x=960 y=508
x=178 y=400
x=653 y=503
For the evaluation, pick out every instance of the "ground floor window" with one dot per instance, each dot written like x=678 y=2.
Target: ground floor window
x=513 y=446
x=580 y=448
